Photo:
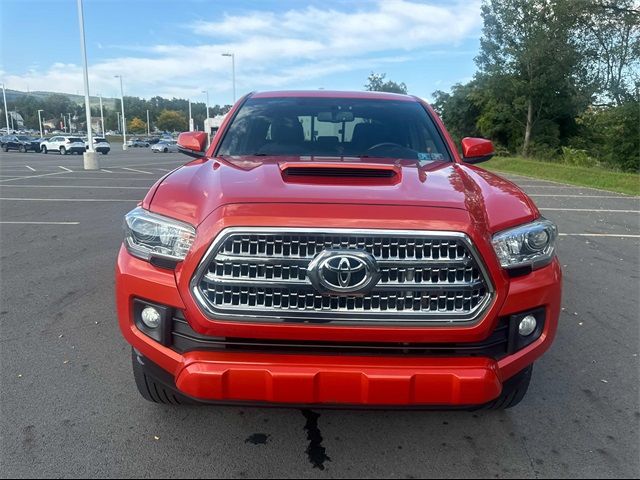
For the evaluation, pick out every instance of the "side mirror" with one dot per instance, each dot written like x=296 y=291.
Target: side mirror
x=193 y=144
x=476 y=150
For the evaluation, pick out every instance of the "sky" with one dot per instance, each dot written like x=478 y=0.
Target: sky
x=173 y=48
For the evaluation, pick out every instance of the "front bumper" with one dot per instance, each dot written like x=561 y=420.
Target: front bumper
x=322 y=379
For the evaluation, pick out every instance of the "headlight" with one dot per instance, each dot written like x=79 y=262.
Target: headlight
x=531 y=245
x=150 y=235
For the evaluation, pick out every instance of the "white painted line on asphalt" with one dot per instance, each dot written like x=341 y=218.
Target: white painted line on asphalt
x=590 y=210
x=65 y=168
x=623 y=197
x=32 y=169
x=560 y=184
x=613 y=235
x=110 y=187
x=134 y=170
x=39 y=223
x=19 y=199
x=105 y=170
x=31 y=176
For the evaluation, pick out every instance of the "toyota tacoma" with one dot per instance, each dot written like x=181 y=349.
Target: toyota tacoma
x=335 y=249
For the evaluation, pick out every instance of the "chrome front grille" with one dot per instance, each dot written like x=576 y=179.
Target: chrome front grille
x=261 y=275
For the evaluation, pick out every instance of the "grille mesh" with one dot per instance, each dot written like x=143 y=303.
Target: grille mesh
x=263 y=276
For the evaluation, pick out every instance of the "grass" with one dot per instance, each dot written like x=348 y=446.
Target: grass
x=596 y=177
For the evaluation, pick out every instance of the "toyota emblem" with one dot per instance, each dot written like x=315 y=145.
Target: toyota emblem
x=343 y=271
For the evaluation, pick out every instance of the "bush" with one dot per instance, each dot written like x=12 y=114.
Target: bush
x=578 y=158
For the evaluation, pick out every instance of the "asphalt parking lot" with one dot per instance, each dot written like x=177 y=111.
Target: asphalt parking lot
x=70 y=408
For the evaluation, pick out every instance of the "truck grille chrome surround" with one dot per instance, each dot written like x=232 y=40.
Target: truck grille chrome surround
x=260 y=275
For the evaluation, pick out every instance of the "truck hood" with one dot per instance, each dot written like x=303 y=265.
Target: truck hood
x=194 y=191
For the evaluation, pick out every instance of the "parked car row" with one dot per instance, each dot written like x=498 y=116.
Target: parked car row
x=62 y=144
x=65 y=144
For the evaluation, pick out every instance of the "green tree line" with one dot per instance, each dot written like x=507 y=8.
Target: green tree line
x=166 y=114
x=556 y=79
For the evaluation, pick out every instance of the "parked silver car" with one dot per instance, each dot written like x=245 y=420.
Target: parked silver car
x=165 y=146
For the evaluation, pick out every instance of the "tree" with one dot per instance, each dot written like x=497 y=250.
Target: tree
x=609 y=36
x=137 y=126
x=172 y=120
x=529 y=44
x=376 y=83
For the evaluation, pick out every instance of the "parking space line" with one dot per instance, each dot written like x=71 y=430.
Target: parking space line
x=134 y=170
x=105 y=170
x=32 y=169
x=590 y=210
x=97 y=200
x=104 y=187
x=612 y=235
x=65 y=168
x=31 y=176
x=39 y=223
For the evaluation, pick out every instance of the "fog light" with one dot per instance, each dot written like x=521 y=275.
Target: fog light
x=151 y=317
x=527 y=325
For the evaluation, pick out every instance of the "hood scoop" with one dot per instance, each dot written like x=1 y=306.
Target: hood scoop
x=335 y=172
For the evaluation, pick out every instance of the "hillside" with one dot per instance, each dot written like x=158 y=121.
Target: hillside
x=108 y=102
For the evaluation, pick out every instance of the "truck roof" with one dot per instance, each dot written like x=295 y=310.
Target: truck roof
x=333 y=94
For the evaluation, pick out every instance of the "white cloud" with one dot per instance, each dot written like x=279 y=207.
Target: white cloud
x=273 y=50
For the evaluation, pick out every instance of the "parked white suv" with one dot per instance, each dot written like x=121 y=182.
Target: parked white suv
x=63 y=144
x=100 y=145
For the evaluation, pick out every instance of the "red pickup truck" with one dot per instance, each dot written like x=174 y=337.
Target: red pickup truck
x=335 y=249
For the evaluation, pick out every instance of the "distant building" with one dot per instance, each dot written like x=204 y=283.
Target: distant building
x=16 y=120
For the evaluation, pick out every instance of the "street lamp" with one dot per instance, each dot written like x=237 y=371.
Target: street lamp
x=190 y=117
x=233 y=72
x=207 y=92
x=40 y=122
x=69 y=115
x=124 y=121
x=148 y=129
x=6 y=112
x=89 y=157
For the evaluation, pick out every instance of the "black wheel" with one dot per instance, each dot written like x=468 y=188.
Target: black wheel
x=104 y=152
x=44 y=150
x=5 y=148
x=63 y=151
x=513 y=391
x=165 y=150
x=22 y=149
x=151 y=386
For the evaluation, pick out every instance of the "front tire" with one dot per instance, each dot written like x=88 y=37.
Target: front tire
x=150 y=387
x=22 y=149
x=166 y=150
x=63 y=151
x=513 y=391
x=44 y=150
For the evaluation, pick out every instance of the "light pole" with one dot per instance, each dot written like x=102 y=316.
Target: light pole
x=190 y=117
x=90 y=159
x=124 y=121
x=69 y=115
x=148 y=130
x=102 y=116
x=233 y=72
x=118 y=114
x=6 y=112
x=207 y=92
x=40 y=121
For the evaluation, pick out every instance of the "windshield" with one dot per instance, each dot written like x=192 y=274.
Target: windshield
x=334 y=127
